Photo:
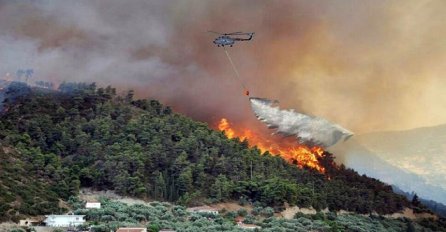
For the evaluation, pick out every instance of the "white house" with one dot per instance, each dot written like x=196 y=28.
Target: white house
x=64 y=220
x=203 y=209
x=132 y=229
x=248 y=226
x=93 y=205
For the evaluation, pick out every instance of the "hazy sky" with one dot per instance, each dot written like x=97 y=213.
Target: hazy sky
x=367 y=65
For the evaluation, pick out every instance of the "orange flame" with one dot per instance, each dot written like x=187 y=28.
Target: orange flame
x=300 y=155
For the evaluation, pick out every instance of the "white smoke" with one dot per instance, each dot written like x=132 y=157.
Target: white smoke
x=309 y=130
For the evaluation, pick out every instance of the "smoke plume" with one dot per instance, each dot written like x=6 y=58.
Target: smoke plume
x=368 y=65
x=309 y=130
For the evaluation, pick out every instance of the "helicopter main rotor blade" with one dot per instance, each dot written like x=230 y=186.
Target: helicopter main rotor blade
x=215 y=32
x=236 y=33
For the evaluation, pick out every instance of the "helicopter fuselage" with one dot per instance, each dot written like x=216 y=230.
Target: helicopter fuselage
x=224 y=41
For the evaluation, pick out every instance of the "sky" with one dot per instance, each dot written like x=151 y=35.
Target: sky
x=366 y=65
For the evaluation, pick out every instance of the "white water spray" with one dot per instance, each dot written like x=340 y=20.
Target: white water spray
x=309 y=130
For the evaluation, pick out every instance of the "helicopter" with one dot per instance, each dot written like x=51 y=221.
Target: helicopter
x=226 y=39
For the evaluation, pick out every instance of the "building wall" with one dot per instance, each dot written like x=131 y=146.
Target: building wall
x=64 y=220
x=93 y=205
x=208 y=211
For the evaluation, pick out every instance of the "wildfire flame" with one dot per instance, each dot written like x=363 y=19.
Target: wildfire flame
x=300 y=155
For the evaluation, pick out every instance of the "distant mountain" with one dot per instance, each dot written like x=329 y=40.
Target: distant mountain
x=421 y=151
x=371 y=163
x=436 y=207
x=3 y=86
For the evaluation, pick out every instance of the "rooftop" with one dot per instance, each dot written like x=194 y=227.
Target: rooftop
x=64 y=215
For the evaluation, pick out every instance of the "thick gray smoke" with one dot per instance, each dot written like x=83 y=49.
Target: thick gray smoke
x=309 y=130
x=369 y=53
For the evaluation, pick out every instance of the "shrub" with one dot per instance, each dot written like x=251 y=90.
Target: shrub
x=267 y=212
x=299 y=215
x=318 y=216
x=249 y=219
x=242 y=212
x=331 y=216
x=256 y=211
x=243 y=201
x=17 y=230
x=231 y=215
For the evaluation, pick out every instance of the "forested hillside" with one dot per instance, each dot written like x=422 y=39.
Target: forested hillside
x=83 y=136
x=22 y=192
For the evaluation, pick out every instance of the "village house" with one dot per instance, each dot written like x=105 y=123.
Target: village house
x=203 y=209
x=29 y=222
x=248 y=226
x=132 y=229
x=93 y=205
x=64 y=220
x=239 y=221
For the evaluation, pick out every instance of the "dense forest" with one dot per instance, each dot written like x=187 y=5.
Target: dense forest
x=17 y=185
x=84 y=136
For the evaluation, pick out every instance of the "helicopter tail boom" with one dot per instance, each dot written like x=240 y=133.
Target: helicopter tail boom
x=251 y=34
